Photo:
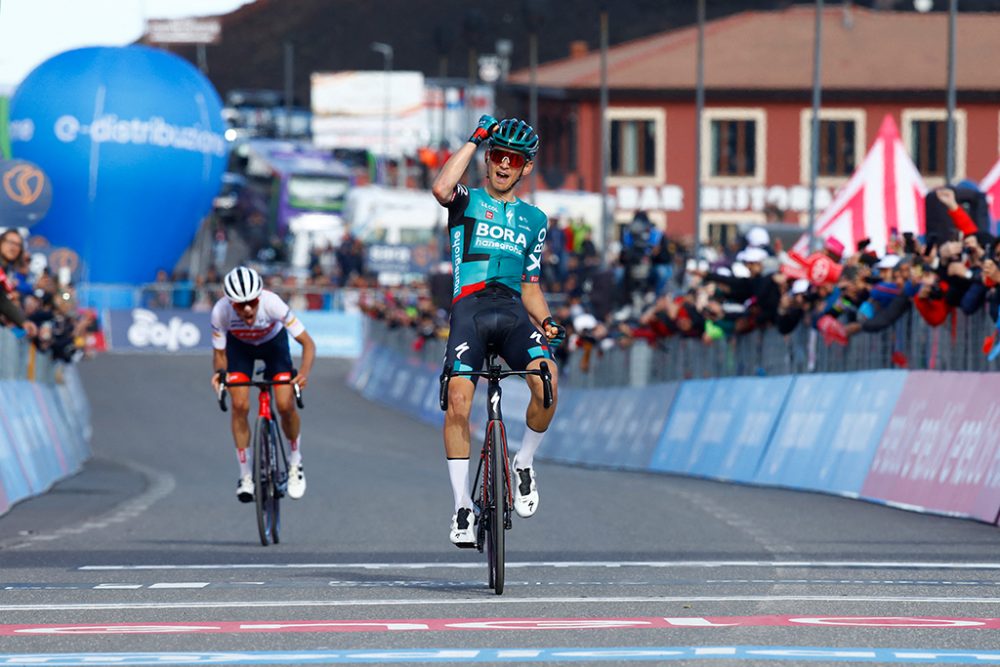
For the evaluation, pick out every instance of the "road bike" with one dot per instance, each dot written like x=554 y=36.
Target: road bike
x=270 y=455
x=492 y=498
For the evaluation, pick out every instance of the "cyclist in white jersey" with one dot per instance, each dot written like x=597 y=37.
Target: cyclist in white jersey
x=248 y=324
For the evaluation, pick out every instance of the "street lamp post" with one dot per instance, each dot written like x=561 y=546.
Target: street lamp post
x=814 y=124
x=699 y=106
x=386 y=51
x=949 y=170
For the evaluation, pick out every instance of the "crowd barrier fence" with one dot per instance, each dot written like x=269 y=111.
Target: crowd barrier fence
x=45 y=422
x=919 y=440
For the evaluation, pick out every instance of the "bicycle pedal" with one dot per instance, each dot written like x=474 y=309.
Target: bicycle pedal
x=465 y=545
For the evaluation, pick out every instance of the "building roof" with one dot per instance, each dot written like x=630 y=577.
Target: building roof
x=863 y=49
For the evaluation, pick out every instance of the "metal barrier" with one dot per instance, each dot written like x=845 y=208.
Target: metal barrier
x=910 y=343
x=20 y=360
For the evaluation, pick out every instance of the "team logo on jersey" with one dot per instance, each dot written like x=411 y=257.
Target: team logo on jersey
x=489 y=215
x=461 y=349
x=496 y=233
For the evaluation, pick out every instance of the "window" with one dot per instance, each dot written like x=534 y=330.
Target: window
x=925 y=135
x=733 y=143
x=637 y=140
x=558 y=143
x=841 y=145
x=929 y=146
x=734 y=147
x=836 y=148
x=633 y=148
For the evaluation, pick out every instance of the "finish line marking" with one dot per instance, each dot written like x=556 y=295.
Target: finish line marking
x=493 y=600
x=520 y=624
x=466 y=565
x=798 y=654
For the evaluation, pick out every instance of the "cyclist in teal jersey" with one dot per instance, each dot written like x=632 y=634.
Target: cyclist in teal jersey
x=496 y=251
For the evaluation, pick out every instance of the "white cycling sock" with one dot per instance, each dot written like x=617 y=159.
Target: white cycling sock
x=244 y=459
x=529 y=445
x=296 y=456
x=458 y=471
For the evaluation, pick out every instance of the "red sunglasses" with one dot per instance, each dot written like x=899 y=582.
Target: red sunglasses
x=515 y=160
x=243 y=304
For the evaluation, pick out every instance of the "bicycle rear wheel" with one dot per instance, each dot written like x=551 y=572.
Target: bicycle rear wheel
x=498 y=505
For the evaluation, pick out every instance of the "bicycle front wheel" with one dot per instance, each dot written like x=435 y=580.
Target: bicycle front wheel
x=262 y=488
x=278 y=479
x=498 y=504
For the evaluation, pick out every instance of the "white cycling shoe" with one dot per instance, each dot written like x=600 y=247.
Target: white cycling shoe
x=244 y=489
x=296 y=481
x=463 y=533
x=525 y=492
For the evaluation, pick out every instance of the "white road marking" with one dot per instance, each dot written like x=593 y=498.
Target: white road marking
x=245 y=604
x=181 y=584
x=468 y=565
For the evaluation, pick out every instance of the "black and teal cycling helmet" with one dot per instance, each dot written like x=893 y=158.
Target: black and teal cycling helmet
x=516 y=135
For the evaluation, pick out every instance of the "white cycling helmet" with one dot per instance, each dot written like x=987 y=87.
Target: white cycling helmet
x=242 y=284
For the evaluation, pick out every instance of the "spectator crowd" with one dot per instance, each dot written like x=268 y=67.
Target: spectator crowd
x=41 y=305
x=649 y=287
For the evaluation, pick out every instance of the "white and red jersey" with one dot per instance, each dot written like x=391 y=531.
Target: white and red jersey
x=273 y=314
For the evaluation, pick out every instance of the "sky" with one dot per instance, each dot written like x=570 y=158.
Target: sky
x=32 y=31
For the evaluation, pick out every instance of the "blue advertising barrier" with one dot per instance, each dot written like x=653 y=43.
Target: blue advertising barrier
x=812 y=432
x=177 y=330
x=143 y=330
x=44 y=435
x=336 y=334
x=830 y=429
x=714 y=431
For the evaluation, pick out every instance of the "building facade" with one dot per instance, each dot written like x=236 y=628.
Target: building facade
x=755 y=129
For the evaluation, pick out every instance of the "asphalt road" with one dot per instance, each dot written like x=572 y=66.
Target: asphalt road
x=147 y=557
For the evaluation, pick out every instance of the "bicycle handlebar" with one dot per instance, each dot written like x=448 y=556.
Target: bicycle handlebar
x=542 y=371
x=260 y=384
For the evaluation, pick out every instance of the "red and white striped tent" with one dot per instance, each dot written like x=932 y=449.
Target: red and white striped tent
x=991 y=186
x=885 y=193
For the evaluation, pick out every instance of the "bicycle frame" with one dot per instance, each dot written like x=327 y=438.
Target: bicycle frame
x=270 y=460
x=494 y=499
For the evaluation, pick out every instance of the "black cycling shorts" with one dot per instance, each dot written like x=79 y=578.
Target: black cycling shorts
x=492 y=319
x=277 y=358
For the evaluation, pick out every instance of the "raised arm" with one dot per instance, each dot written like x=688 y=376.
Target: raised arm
x=453 y=170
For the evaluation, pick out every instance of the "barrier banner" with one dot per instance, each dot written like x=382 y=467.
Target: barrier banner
x=642 y=433
x=360 y=371
x=940 y=450
x=44 y=435
x=573 y=421
x=336 y=334
x=33 y=459
x=14 y=481
x=618 y=427
x=143 y=330
x=829 y=430
x=684 y=422
x=734 y=431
